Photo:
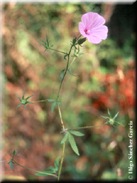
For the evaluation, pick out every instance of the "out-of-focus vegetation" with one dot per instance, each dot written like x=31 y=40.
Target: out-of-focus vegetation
x=105 y=79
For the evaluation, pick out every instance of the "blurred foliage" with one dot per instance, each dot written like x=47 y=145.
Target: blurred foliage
x=106 y=79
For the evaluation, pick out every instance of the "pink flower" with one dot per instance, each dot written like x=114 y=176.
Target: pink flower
x=92 y=27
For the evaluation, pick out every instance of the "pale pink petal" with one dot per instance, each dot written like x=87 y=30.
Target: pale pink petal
x=81 y=29
x=100 y=32
x=92 y=27
x=94 y=40
x=91 y=19
x=97 y=20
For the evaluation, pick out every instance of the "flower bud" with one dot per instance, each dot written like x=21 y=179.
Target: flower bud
x=82 y=40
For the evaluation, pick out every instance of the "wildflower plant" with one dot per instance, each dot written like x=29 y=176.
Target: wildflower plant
x=92 y=29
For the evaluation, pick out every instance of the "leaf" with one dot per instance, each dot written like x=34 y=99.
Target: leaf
x=14 y=152
x=105 y=117
x=76 y=133
x=23 y=93
x=62 y=74
x=18 y=106
x=11 y=165
x=119 y=123
x=58 y=103
x=53 y=106
x=51 y=169
x=29 y=102
x=50 y=100
x=45 y=173
x=71 y=73
x=64 y=138
x=74 y=40
x=115 y=115
x=18 y=97
x=73 y=144
x=57 y=162
x=109 y=113
x=29 y=96
x=65 y=56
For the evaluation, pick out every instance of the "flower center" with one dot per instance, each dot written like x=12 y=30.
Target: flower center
x=87 y=31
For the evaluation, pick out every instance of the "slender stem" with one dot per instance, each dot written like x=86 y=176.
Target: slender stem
x=34 y=170
x=64 y=73
x=86 y=127
x=57 y=50
x=39 y=101
x=61 y=118
x=63 y=151
x=59 y=172
x=72 y=62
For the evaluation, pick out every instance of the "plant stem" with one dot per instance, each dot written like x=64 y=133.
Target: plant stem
x=34 y=170
x=72 y=62
x=63 y=151
x=39 y=101
x=79 y=128
x=57 y=50
x=64 y=73
x=61 y=118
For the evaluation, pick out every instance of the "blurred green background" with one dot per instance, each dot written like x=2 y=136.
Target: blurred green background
x=105 y=79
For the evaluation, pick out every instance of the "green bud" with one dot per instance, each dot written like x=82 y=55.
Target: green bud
x=74 y=40
x=82 y=40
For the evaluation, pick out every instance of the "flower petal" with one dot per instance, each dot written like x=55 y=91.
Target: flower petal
x=91 y=20
x=81 y=29
x=100 y=32
x=94 y=39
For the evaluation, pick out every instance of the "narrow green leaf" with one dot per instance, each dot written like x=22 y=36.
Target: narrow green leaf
x=119 y=123
x=76 y=133
x=105 y=117
x=71 y=73
x=50 y=100
x=23 y=93
x=64 y=138
x=14 y=152
x=115 y=115
x=11 y=165
x=29 y=96
x=65 y=56
x=25 y=106
x=53 y=106
x=47 y=40
x=45 y=173
x=74 y=40
x=73 y=144
x=51 y=169
x=109 y=113
x=62 y=74
x=57 y=162
x=58 y=103
x=18 y=106
x=29 y=102
x=18 y=97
